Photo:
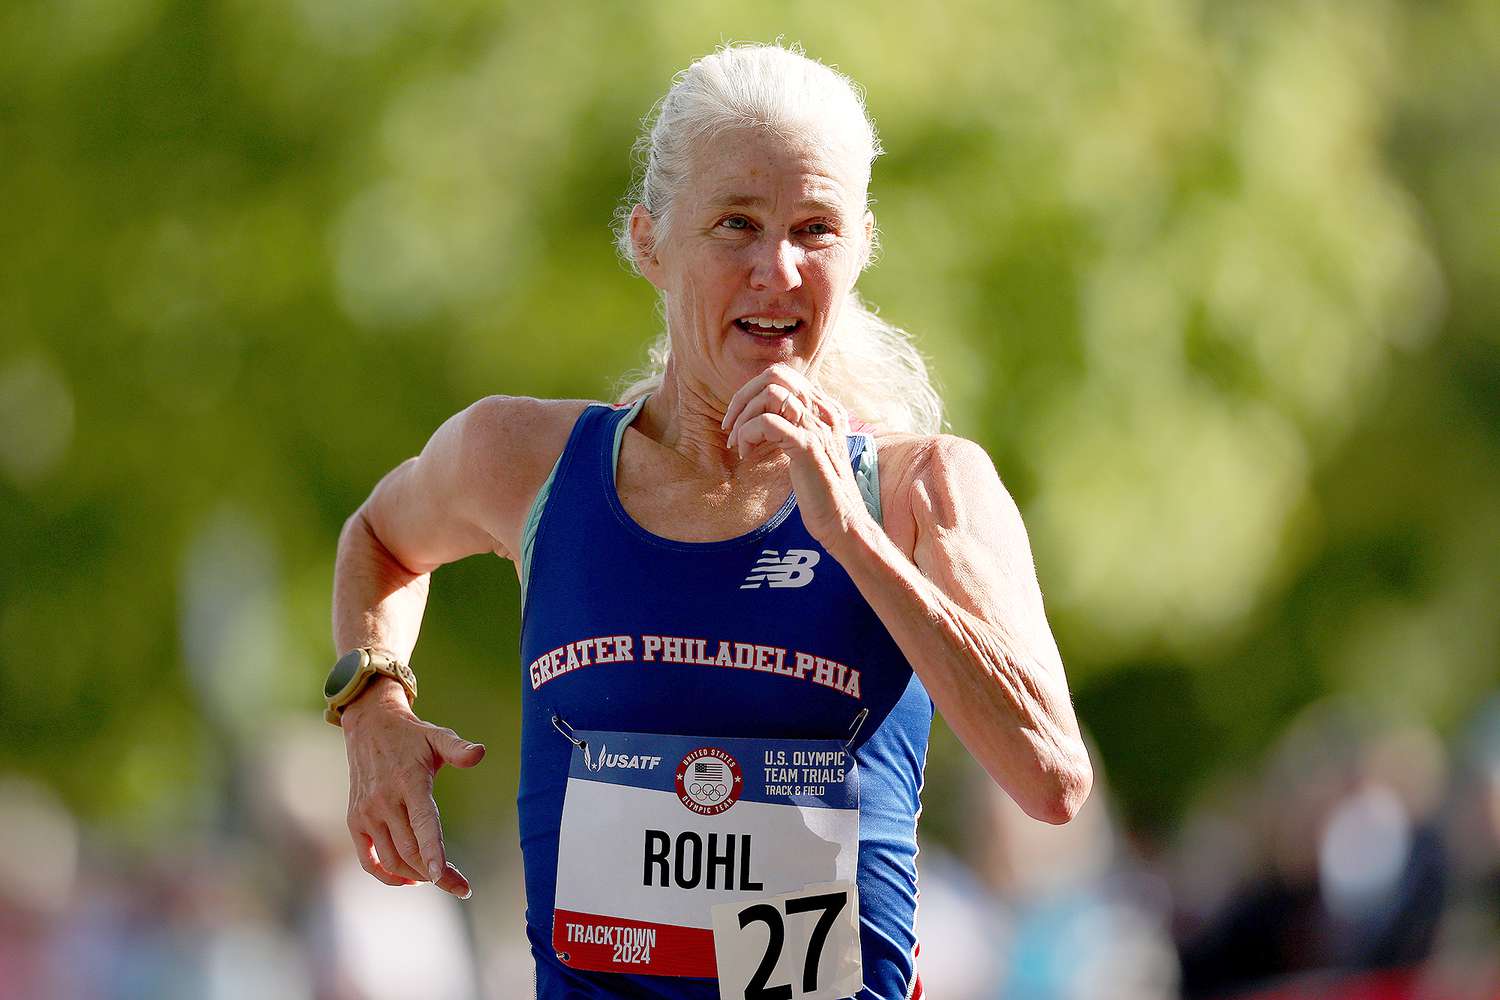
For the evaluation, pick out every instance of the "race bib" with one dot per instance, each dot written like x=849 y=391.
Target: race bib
x=693 y=856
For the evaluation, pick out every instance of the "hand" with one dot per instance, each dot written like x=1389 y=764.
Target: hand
x=393 y=818
x=781 y=408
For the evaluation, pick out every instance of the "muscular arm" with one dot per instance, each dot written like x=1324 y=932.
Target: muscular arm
x=422 y=514
x=464 y=494
x=966 y=611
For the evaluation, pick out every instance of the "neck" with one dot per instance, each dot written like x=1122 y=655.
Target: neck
x=684 y=416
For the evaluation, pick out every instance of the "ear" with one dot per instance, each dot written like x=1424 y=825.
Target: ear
x=869 y=250
x=643 y=239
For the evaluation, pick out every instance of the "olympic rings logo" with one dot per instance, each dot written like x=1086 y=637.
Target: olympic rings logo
x=709 y=781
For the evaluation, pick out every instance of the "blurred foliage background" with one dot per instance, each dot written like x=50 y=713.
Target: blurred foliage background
x=1217 y=285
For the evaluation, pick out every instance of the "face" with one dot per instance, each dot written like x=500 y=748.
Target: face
x=767 y=238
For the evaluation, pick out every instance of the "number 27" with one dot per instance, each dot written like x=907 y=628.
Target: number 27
x=831 y=903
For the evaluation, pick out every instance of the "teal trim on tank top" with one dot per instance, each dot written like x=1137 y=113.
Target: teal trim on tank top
x=867 y=476
x=534 y=515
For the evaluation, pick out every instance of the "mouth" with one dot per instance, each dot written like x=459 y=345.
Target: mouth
x=768 y=328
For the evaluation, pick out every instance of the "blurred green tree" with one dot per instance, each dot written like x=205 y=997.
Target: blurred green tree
x=1216 y=284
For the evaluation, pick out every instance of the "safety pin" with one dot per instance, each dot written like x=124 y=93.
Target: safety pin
x=859 y=720
x=568 y=733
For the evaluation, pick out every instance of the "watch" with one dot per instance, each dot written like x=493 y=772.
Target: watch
x=357 y=668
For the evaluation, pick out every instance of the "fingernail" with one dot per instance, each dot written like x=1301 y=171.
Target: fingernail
x=467 y=894
x=435 y=870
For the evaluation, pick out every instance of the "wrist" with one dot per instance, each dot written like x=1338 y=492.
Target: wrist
x=381 y=694
x=354 y=674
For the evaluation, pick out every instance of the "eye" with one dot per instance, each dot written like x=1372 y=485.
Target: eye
x=820 y=229
x=736 y=222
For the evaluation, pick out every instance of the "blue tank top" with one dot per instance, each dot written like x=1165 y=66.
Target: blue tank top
x=589 y=570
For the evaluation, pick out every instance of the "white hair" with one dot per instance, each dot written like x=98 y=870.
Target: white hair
x=869 y=366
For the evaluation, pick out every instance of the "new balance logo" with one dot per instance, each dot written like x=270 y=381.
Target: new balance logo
x=776 y=570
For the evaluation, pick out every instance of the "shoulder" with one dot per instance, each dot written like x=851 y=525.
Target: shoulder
x=508 y=447
x=521 y=427
x=958 y=475
x=469 y=489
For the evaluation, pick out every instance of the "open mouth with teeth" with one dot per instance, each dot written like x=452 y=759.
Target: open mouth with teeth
x=760 y=326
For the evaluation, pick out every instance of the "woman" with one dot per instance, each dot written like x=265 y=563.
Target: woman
x=736 y=621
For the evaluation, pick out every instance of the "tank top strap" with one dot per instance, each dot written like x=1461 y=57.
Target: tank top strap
x=863 y=459
x=578 y=464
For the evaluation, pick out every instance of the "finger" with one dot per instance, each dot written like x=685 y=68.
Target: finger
x=825 y=421
x=743 y=395
x=784 y=401
x=832 y=425
x=788 y=403
x=774 y=398
x=779 y=372
x=364 y=849
x=406 y=842
x=831 y=412
x=769 y=428
x=795 y=380
x=423 y=812
x=453 y=881
x=390 y=858
x=452 y=748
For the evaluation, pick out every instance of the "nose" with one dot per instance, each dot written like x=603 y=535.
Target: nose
x=777 y=265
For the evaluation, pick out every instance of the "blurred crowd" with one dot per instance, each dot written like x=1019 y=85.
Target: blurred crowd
x=1359 y=859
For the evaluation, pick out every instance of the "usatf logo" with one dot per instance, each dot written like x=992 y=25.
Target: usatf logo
x=709 y=781
x=775 y=570
x=634 y=761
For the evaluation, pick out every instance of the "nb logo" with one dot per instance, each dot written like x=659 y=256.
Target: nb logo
x=775 y=570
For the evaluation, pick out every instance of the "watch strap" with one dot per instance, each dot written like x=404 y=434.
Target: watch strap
x=371 y=663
